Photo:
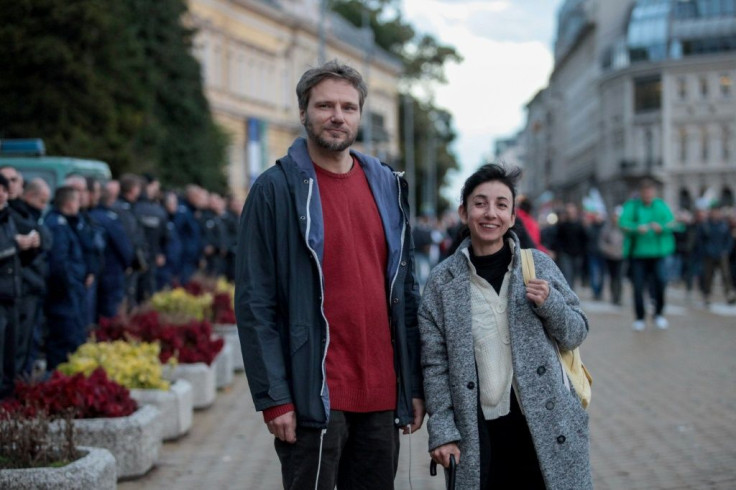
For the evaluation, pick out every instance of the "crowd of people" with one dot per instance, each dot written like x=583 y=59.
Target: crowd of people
x=93 y=250
x=640 y=240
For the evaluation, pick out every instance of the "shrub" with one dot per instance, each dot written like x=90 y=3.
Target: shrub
x=188 y=343
x=87 y=397
x=28 y=442
x=131 y=364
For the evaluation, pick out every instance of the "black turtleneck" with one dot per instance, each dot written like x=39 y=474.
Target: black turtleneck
x=492 y=267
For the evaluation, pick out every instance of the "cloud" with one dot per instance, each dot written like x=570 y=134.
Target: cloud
x=506 y=46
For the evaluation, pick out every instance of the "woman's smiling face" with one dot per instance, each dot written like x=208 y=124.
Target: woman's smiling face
x=489 y=213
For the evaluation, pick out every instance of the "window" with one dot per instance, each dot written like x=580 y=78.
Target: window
x=725 y=143
x=648 y=94
x=704 y=145
x=682 y=87
x=726 y=85
x=649 y=147
x=704 y=87
x=683 y=144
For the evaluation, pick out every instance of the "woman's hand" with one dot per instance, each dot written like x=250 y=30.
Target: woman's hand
x=537 y=291
x=441 y=455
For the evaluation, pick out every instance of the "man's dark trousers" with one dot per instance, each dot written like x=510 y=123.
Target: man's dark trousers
x=360 y=451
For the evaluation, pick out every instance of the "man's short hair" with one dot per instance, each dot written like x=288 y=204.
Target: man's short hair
x=34 y=186
x=64 y=194
x=128 y=182
x=330 y=70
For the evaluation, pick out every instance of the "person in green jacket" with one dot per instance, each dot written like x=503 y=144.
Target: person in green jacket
x=648 y=223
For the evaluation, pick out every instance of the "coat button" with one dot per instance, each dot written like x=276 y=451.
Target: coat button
x=561 y=439
x=549 y=405
x=306 y=181
x=403 y=263
x=541 y=370
x=471 y=385
x=396 y=300
x=302 y=218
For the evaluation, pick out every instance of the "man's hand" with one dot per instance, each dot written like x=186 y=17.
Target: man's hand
x=284 y=427
x=441 y=455
x=89 y=280
x=418 y=405
x=160 y=260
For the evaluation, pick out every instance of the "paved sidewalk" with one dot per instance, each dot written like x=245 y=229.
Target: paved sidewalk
x=663 y=414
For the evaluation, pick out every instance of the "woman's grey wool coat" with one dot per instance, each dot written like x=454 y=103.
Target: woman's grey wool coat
x=557 y=421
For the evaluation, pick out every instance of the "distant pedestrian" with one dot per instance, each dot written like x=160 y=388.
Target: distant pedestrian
x=571 y=245
x=611 y=245
x=648 y=224
x=714 y=236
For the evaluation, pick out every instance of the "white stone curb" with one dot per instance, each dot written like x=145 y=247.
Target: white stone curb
x=224 y=367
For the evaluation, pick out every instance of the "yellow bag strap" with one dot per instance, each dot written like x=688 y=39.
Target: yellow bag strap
x=527 y=265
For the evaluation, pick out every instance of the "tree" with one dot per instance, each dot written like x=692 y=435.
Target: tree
x=424 y=59
x=109 y=80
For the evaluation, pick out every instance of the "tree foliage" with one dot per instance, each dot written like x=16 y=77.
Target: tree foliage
x=114 y=81
x=424 y=59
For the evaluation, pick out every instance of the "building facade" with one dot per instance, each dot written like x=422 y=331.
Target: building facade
x=252 y=53
x=640 y=89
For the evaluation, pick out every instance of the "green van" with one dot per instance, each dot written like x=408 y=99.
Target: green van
x=28 y=157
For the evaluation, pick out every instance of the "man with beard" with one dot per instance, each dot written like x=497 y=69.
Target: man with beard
x=326 y=298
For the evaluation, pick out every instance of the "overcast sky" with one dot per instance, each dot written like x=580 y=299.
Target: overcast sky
x=507 y=51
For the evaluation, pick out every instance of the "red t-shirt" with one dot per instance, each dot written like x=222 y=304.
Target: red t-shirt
x=360 y=362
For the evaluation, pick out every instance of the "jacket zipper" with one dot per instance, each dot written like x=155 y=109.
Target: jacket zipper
x=403 y=232
x=321 y=296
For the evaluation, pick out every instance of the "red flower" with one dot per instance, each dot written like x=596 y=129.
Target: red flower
x=92 y=397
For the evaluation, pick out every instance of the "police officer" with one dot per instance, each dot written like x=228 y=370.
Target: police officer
x=153 y=220
x=35 y=273
x=32 y=264
x=9 y=291
x=168 y=274
x=215 y=235
x=118 y=255
x=93 y=245
x=65 y=301
x=231 y=218
x=130 y=190
x=190 y=232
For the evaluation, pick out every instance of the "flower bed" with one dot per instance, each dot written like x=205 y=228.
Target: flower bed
x=95 y=469
x=88 y=396
x=105 y=416
x=190 y=342
x=130 y=364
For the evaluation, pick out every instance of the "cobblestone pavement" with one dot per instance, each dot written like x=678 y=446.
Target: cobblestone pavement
x=663 y=414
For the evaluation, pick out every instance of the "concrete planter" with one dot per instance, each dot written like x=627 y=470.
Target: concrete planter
x=134 y=441
x=96 y=469
x=175 y=404
x=202 y=378
x=229 y=332
x=224 y=367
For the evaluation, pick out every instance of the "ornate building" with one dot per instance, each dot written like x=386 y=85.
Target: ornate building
x=252 y=54
x=639 y=89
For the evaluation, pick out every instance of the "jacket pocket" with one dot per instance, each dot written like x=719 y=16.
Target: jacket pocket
x=298 y=336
